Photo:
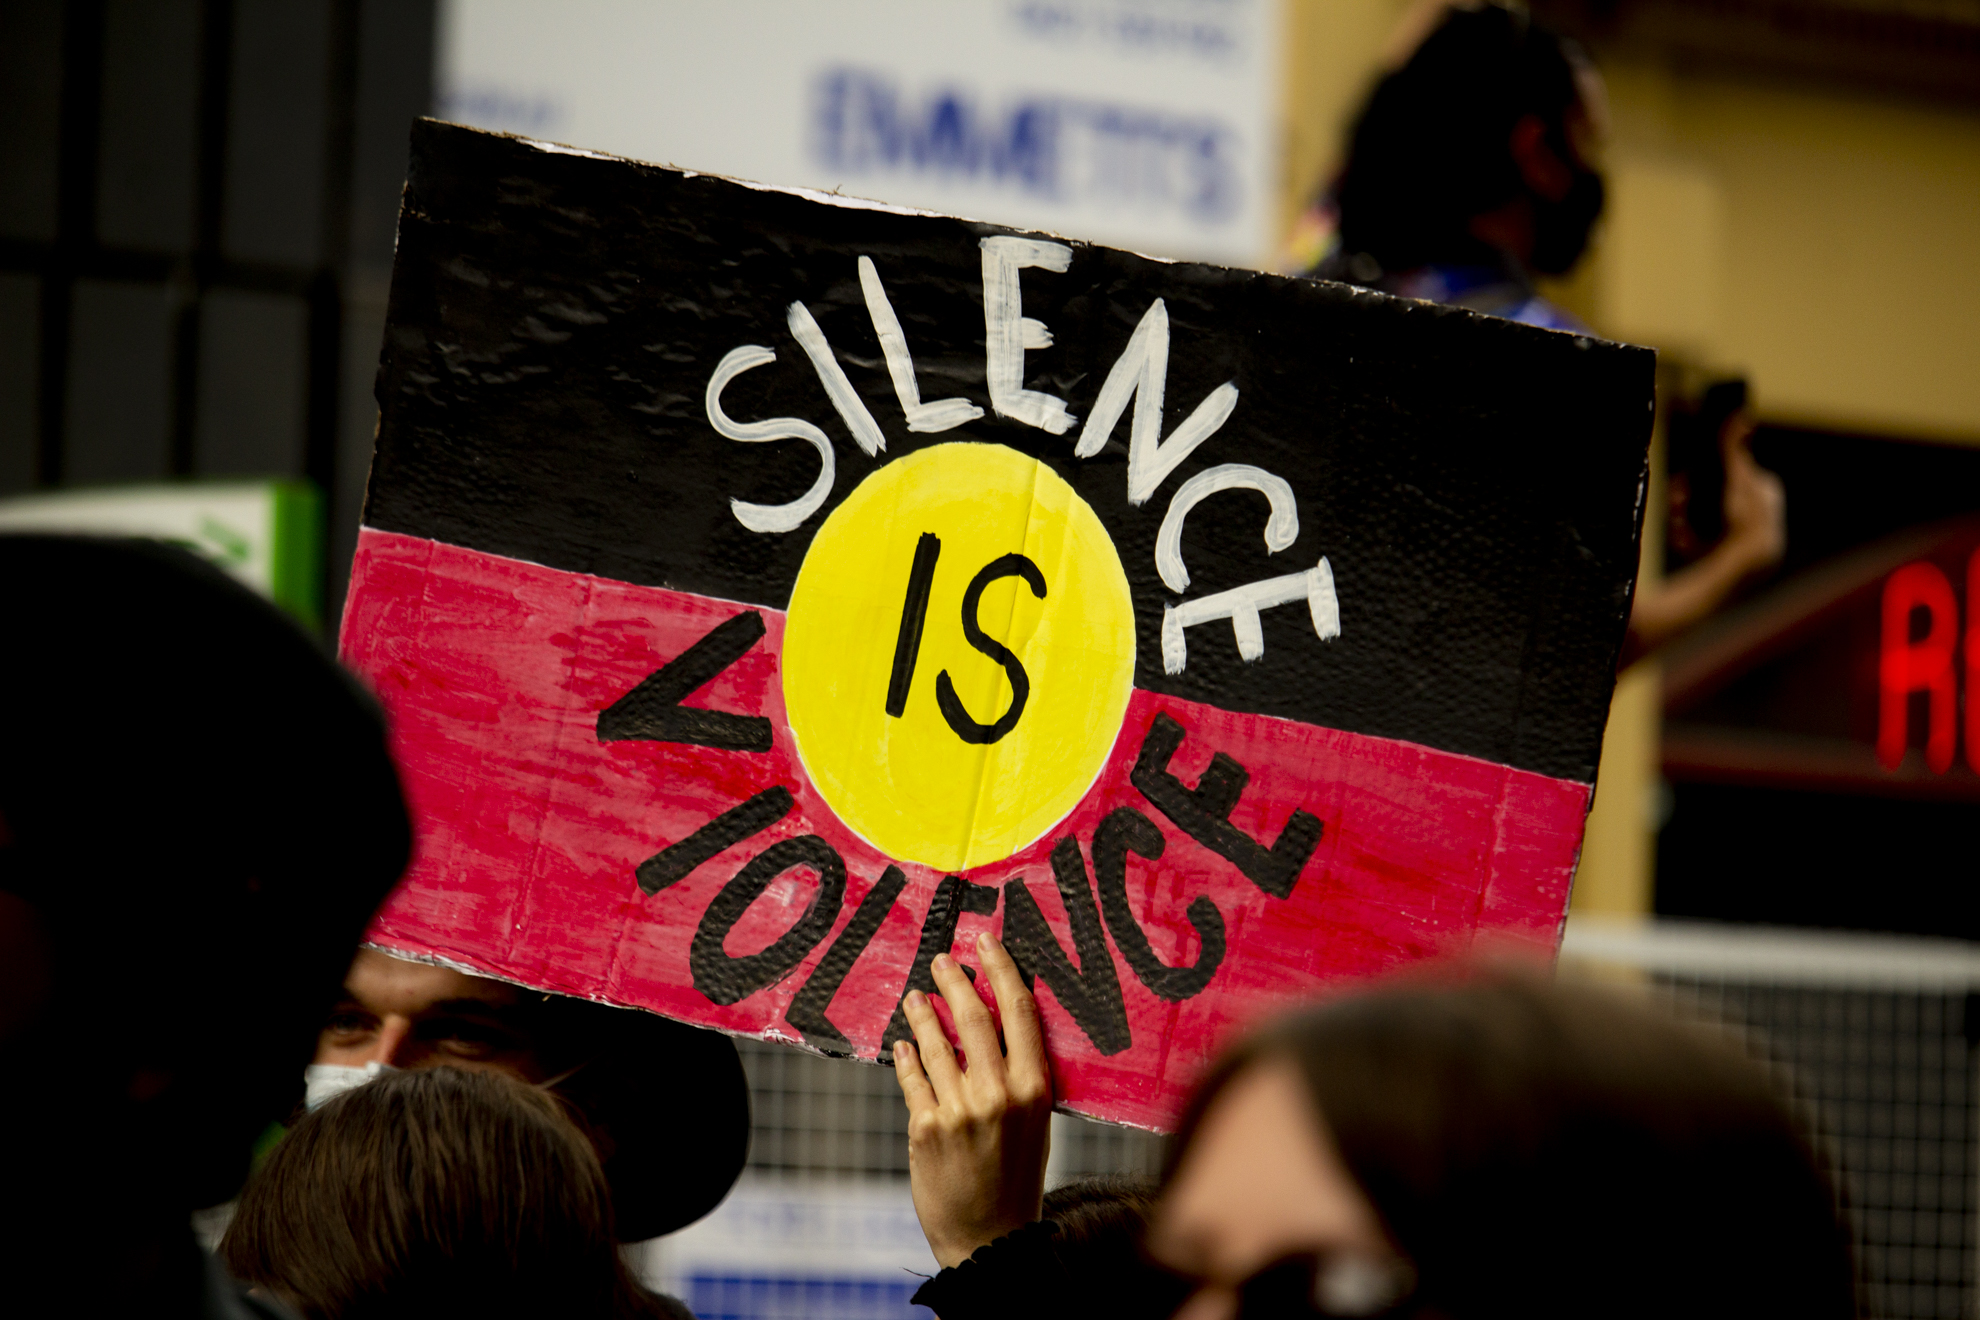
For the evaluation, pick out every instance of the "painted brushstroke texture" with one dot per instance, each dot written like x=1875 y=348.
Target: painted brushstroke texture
x=494 y=672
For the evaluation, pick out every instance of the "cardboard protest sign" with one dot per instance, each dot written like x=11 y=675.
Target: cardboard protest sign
x=771 y=590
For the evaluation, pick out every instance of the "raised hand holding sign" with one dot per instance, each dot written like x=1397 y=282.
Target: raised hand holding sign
x=979 y=1127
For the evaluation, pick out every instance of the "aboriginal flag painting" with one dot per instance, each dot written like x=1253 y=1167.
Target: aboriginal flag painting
x=771 y=590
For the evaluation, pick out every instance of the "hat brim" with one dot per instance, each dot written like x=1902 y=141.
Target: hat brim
x=668 y=1108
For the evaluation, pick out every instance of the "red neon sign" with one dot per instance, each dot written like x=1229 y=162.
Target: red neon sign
x=1972 y=660
x=1924 y=665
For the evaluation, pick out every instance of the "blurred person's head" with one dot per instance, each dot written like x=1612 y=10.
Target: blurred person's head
x=1496 y=1147
x=1482 y=147
x=198 y=816
x=438 y=1191
x=666 y=1104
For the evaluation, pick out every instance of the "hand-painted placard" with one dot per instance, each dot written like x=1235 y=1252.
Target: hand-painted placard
x=771 y=590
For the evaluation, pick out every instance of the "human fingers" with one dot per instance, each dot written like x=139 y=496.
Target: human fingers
x=974 y=1027
x=1772 y=495
x=1755 y=505
x=938 y=1058
x=915 y=1088
x=1776 y=492
x=1738 y=492
x=1024 y=1037
x=1744 y=473
x=1745 y=493
x=1737 y=456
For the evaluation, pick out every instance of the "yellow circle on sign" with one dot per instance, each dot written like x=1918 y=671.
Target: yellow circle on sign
x=987 y=752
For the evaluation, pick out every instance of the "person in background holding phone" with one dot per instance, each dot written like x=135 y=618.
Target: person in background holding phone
x=1727 y=513
x=1474 y=166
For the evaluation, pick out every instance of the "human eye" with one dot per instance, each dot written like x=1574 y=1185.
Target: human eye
x=469 y=1038
x=347 y=1023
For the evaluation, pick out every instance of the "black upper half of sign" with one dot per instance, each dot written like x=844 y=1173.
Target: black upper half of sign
x=1473 y=483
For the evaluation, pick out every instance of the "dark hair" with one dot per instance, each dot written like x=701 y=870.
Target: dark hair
x=619 y=1071
x=1549 y=1152
x=1430 y=148
x=436 y=1191
x=1101 y=1220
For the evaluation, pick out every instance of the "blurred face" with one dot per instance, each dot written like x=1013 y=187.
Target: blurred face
x=413 y=1015
x=1561 y=169
x=1260 y=1186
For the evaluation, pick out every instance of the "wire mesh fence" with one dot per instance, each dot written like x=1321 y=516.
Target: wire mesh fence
x=820 y=1117
x=1873 y=1037
x=816 y=1116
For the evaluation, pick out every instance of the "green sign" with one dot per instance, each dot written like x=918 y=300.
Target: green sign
x=267 y=534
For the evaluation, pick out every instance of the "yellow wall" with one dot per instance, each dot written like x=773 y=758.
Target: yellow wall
x=1823 y=241
x=1841 y=262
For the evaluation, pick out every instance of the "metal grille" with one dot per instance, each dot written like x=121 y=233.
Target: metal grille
x=752 y=1297
x=1081 y=1147
x=1872 y=1036
x=1888 y=1078
x=816 y=1116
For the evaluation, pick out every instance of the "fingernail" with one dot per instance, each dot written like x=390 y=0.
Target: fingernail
x=900 y=1048
x=983 y=940
x=915 y=999
x=944 y=963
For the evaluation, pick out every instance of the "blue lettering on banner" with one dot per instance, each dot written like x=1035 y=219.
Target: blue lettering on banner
x=1057 y=147
x=504 y=109
x=1207 y=29
x=777 y=1297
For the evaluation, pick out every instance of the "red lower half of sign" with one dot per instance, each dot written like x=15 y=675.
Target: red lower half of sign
x=1221 y=866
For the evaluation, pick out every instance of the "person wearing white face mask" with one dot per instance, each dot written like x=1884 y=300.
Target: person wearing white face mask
x=667 y=1105
x=324 y=1082
x=396 y=1013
